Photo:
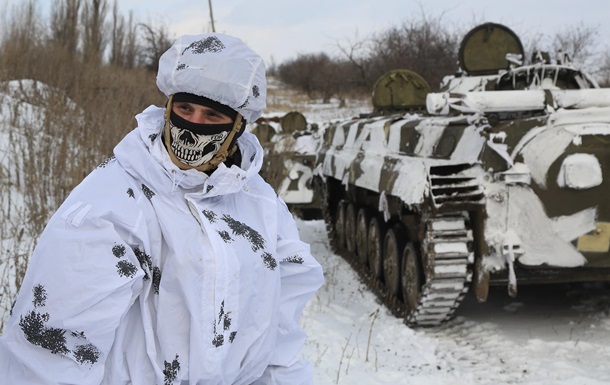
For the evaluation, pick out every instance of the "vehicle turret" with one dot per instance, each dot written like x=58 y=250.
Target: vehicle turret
x=289 y=158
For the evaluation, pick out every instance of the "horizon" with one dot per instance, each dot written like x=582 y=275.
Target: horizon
x=281 y=30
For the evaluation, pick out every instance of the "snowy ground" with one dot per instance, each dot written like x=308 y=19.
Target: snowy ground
x=548 y=335
x=554 y=334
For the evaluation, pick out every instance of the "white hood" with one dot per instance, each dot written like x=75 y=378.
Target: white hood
x=216 y=66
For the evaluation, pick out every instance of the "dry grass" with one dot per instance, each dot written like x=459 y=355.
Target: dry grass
x=60 y=118
x=282 y=99
x=51 y=141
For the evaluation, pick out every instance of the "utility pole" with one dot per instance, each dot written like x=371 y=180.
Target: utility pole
x=211 y=15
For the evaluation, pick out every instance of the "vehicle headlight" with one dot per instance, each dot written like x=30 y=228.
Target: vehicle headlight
x=580 y=172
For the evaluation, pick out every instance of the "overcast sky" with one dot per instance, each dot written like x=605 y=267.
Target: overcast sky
x=281 y=29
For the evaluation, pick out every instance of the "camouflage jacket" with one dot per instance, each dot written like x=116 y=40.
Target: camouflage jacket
x=148 y=274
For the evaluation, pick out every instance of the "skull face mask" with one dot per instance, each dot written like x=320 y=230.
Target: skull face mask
x=196 y=144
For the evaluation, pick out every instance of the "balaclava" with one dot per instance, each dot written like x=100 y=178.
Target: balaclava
x=222 y=72
x=194 y=145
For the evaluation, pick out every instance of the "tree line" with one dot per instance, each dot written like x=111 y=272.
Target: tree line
x=86 y=69
x=92 y=31
x=102 y=60
x=84 y=35
x=428 y=46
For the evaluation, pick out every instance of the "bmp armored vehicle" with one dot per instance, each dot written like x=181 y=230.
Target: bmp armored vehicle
x=291 y=145
x=502 y=178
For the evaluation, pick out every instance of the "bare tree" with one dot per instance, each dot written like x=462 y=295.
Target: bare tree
x=22 y=38
x=356 y=53
x=156 y=42
x=94 y=42
x=580 y=43
x=130 y=47
x=64 y=24
x=318 y=75
x=604 y=70
x=117 y=43
x=424 y=46
x=123 y=44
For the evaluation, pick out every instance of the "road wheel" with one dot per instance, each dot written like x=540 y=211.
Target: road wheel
x=362 y=225
x=412 y=278
x=375 y=246
x=340 y=224
x=350 y=228
x=392 y=255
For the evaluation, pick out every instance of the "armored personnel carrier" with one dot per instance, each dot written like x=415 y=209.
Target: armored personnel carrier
x=502 y=178
x=290 y=145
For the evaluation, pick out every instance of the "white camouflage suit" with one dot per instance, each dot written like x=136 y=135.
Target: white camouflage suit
x=149 y=274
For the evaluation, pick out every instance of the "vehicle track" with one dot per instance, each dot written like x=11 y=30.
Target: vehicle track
x=449 y=258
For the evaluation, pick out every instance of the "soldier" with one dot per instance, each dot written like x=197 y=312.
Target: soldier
x=173 y=262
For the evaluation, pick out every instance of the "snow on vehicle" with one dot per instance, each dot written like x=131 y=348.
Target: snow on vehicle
x=291 y=145
x=503 y=177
